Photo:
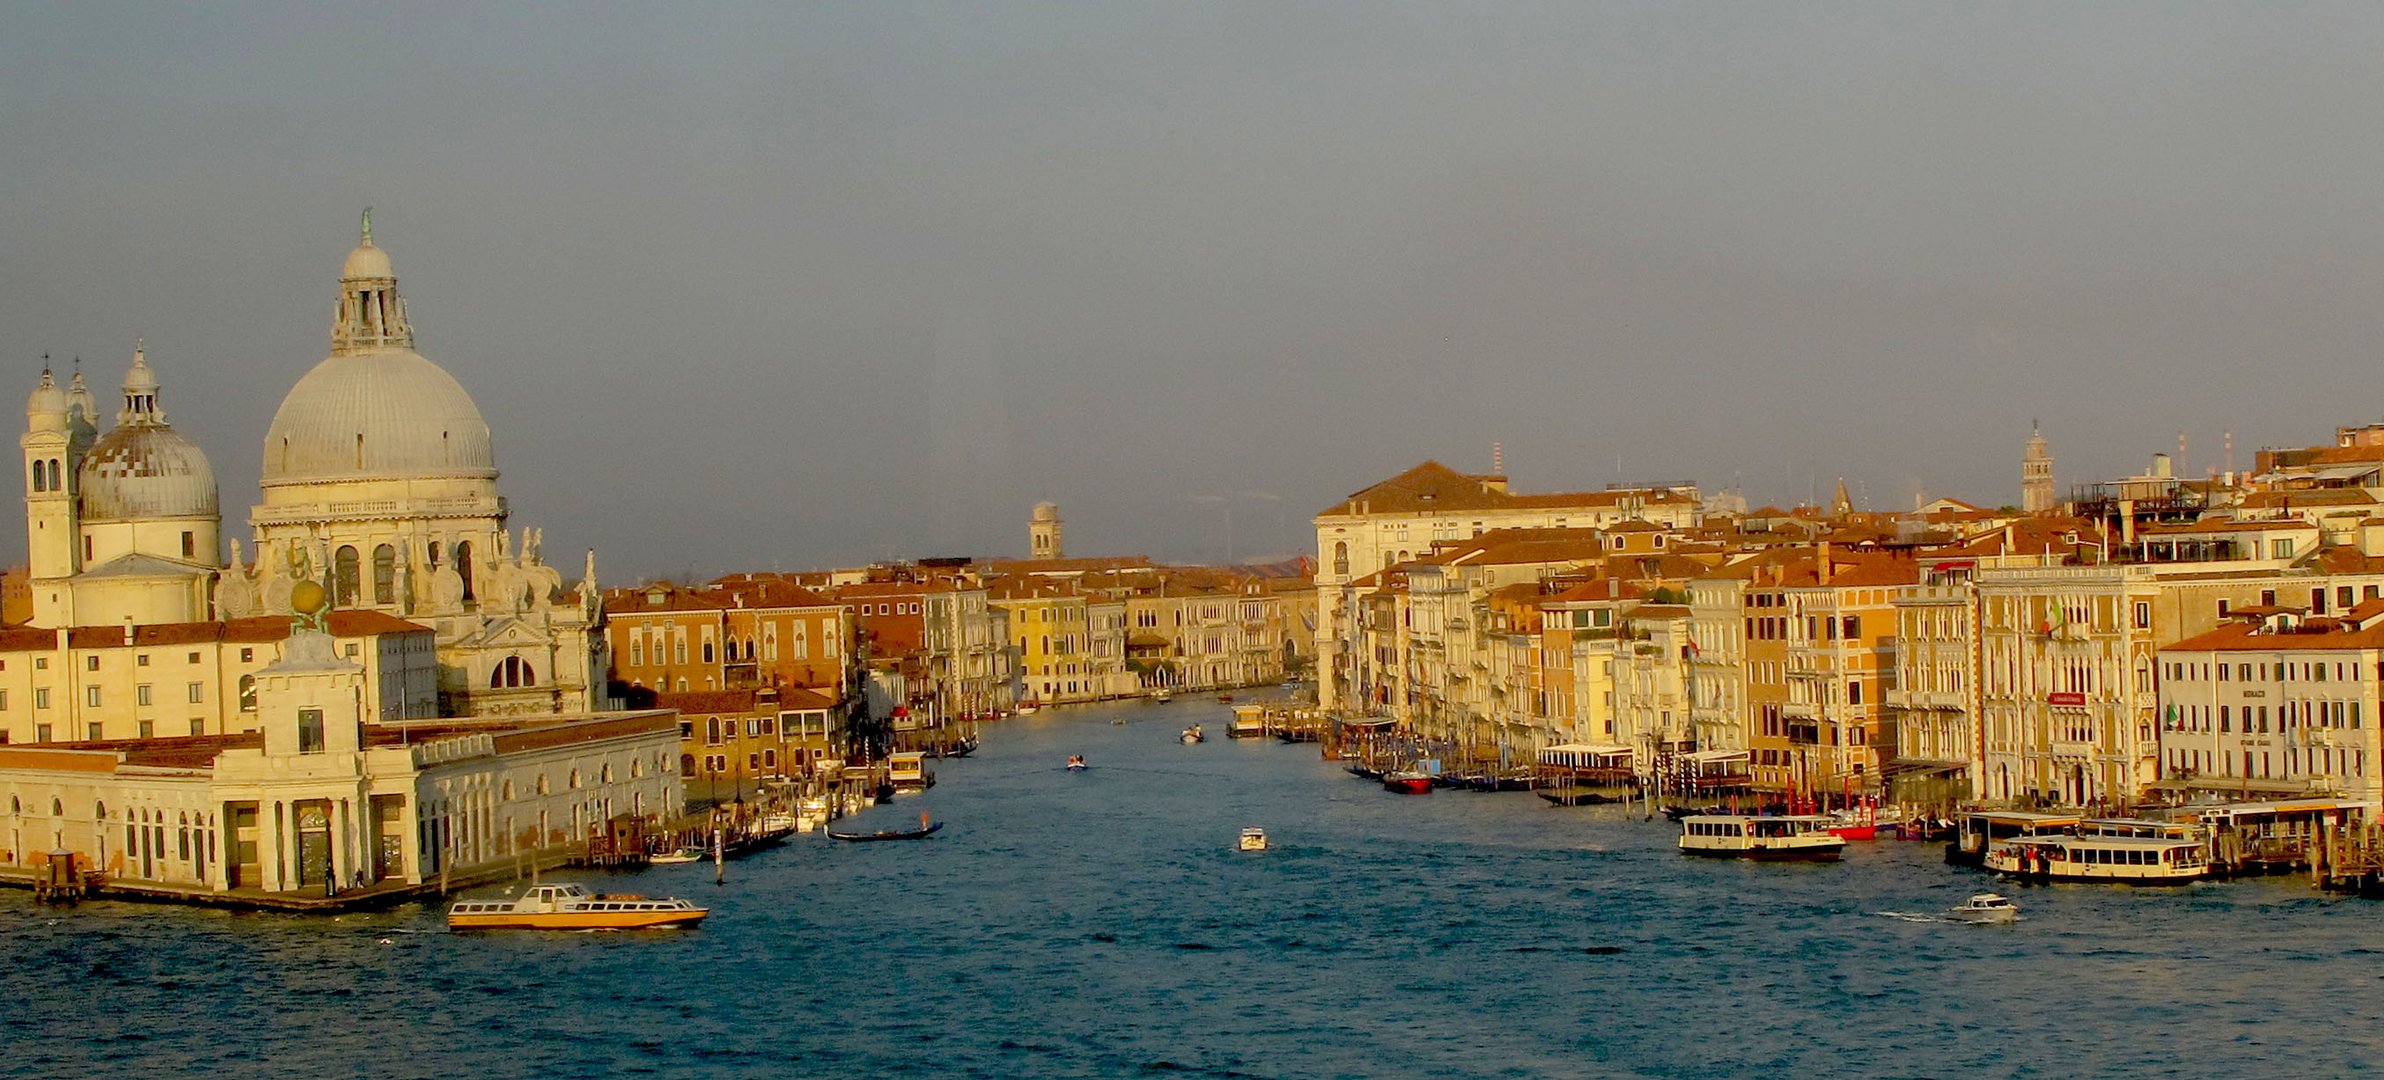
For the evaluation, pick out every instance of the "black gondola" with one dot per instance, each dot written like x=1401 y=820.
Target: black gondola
x=887 y=834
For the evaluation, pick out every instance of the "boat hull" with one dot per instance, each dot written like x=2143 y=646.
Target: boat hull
x=1829 y=853
x=1407 y=785
x=578 y=920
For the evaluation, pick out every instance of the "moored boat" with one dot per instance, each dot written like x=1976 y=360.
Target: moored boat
x=1408 y=781
x=566 y=906
x=2125 y=860
x=1985 y=907
x=1740 y=837
x=677 y=855
x=908 y=773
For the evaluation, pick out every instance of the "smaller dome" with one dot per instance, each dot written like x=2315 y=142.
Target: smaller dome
x=140 y=471
x=80 y=405
x=45 y=409
x=1047 y=511
x=366 y=263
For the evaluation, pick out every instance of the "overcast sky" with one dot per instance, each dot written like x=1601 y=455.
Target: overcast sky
x=795 y=286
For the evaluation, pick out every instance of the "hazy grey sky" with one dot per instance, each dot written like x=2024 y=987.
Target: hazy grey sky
x=768 y=285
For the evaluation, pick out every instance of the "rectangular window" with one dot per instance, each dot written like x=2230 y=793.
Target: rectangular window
x=193 y=659
x=41 y=663
x=41 y=733
x=41 y=697
x=198 y=693
x=248 y=656
x=148 y=729
x=310 y=731
x=141 y=660
x=198 y=726
x=91 y=663
x=140 y=694
x=91 y=696
x=96 y=734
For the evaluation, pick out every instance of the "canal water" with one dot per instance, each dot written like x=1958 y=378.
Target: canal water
x=1101 y=924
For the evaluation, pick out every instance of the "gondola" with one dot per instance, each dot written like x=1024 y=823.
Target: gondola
x=887 y=834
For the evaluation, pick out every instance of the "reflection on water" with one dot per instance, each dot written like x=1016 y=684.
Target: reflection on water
x=1100 y=922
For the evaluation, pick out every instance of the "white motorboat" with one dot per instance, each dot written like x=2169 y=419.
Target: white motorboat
x=1985 y=907
x=1254 y=839
x=1193 y=734
x=678 y=855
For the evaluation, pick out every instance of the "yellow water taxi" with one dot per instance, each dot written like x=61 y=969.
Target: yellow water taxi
x=569 y=907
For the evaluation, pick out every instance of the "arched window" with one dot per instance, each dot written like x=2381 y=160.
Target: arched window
x=637 y=650
x=384 y=575
x=432 y=553
x=508 y=795
x=343 y=576
x=575 y=779
x=55 y=484
x=57 y=807
x=248 y=693
x=686 y=765
x=542 y=783
x=41 y=479
x=608 y=774
x=463 y=566
x=511 y=672
x=1341 y=558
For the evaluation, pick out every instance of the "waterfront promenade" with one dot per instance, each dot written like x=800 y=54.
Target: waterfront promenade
x=1098 y=924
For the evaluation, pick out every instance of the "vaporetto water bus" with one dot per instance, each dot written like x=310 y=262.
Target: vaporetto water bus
x=1739 y=837
x=569 y=907
x=2127 y=860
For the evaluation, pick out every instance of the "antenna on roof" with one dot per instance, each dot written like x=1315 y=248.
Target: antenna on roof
x=1498 y=458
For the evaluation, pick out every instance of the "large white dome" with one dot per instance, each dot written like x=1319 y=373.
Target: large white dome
x=375 y=409
x=377 y=414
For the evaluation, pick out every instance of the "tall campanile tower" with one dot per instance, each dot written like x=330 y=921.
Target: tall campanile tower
x=1043 y=533
x=2036 y=474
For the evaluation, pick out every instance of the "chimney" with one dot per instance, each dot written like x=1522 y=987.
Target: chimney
x=2127 y=521
x=1824 y=567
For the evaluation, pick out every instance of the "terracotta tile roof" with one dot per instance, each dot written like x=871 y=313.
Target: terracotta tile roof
x=706 y=701
x=1435 y=488
x=798 y=699
x=2248 y=637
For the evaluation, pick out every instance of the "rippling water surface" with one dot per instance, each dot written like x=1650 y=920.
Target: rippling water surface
x=1099 y=923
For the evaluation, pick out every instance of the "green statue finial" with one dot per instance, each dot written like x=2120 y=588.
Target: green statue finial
x=368 y=225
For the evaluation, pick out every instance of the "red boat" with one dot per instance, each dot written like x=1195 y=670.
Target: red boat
x=1407 y=783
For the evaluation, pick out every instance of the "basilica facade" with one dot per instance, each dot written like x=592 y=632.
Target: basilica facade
x=379 y=483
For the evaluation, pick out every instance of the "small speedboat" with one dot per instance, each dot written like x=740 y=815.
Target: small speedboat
x=1076 y=763
x=1408 y=782
x=570 y=907
x=1254 y=839
x=1984 y=908
x=680 y=855
x=1162 y=695
x=1192 y=735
